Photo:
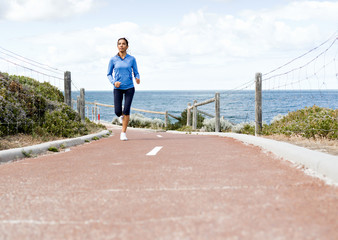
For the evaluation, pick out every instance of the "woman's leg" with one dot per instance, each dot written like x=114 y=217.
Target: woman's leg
x=128 y=98
x=118 y=97
x=125 y=122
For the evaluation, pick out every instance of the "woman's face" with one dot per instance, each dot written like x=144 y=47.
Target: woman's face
x=122 y=45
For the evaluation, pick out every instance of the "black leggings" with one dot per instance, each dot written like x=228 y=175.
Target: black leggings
x=128 y=98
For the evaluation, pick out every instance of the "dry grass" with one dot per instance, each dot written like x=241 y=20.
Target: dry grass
x=321 y=145
x=23 y=140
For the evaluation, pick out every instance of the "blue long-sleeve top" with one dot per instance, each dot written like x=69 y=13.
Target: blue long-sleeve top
x=122 y=70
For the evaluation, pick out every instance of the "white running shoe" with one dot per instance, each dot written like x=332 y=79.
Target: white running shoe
x=123 y=136
x=121 y=119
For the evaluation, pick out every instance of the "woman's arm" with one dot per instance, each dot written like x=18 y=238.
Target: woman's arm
x=110 y=71
x=136 y=73
x=110 y=74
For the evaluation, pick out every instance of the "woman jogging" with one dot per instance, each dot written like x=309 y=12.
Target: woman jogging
x=120 y=70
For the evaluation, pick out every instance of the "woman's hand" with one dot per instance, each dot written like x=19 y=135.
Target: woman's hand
x=137 y=80
x=117 y=84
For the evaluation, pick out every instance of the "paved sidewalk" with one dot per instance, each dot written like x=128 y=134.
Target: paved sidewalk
x=191 y=187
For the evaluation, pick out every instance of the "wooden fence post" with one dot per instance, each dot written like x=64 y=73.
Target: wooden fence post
x=217 y=113
x=95 y=111
x=189 y=115
x=98 y=115
x=166 y=119
x=194 y=116
x=78 y=104
x=82 y=104
x=258 y=104
x=67 y=88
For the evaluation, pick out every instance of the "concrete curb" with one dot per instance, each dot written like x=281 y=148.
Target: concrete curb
x=17 y=153
x=324 y=165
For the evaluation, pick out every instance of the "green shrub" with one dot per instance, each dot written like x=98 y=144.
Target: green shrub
x=209 y=125
x=182 y=121
x=45 y=89
x=28 y=106
x=185 y=129
x=244 y=128
x=64 y=122
x=310 y=122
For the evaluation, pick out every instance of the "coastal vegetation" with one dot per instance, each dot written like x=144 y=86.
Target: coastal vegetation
x=36 y=111
x=28 y=107
x=311 y=122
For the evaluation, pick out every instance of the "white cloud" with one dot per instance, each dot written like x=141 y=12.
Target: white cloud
x=308 y=10
x=204 y=47
x=25 y=10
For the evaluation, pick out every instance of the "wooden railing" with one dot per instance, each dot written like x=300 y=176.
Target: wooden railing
x=96 y=112
x=82 y=104
x=216 y=99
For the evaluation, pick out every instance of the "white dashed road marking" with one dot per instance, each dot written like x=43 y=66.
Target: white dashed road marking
x=154 y=151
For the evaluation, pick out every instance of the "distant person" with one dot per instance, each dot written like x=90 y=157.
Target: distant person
x=120 y=73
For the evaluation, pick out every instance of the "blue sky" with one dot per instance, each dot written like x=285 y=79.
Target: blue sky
x=178 y=44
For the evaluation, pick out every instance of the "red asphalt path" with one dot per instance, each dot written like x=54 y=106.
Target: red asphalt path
x=195 y=187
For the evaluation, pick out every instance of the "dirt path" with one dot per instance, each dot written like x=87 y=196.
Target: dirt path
x=194 y=187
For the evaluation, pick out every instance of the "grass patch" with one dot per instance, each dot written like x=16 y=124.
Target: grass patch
x=27 y=154
x=53 y=149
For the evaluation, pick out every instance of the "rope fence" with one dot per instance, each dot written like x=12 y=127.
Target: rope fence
x=96 y=112
x=303 y=82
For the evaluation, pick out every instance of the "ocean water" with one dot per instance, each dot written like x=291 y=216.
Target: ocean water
x=236 y=106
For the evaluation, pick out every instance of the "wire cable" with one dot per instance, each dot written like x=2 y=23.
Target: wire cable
x=35 y=65
x=31 y=69
x=335 y=34
x=31 y=60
